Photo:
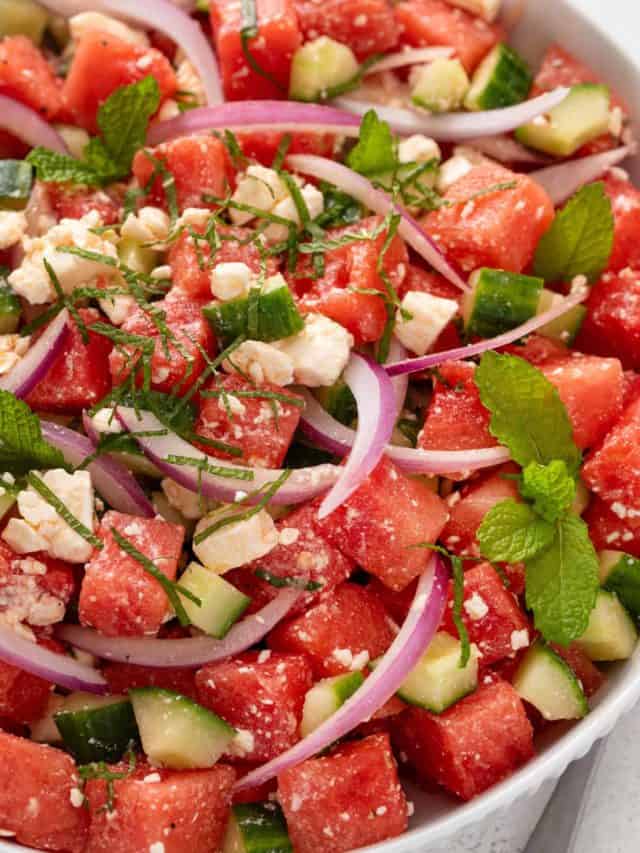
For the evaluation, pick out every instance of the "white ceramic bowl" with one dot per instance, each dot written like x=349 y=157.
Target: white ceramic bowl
x=437 y=817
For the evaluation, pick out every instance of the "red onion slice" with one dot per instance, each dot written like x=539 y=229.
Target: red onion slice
x=34 y=366
x=376 y=404
x=506 y=149
x=302 y=484
x=409 y=56
x=159 y=15
x=26 y=124
x=457 y=127
x=256 y=115
x=57 y=668
x=404 y=653
x=564 y=179
x=379 y=202
x=117 y=486
x=415 y=365
x=400 y=383
x=187 y=653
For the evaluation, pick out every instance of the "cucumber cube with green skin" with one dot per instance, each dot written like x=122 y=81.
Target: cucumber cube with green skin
x=564 y=328
x=262 y=316
x=502 y=79
x=137 y=257
x=620 y=573
x=16 y=180
x=325 y=697
x=23 y=17
x=548 y=683
x=499 y=301
x=611 y=633
x=320 y=66
x=581 y=117
x=221 y=604
x=440 y=86
x=257 y=828
x=96 y=728
x=176 y=732
x=10 y=310
x=339 y=402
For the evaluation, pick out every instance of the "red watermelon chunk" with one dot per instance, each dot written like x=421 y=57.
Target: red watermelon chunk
x=612 y=323
x=433 y=22
x=272 y=50
x=184 y=811
x=592 y=389
x=123 y=677
x=23 y=697
x=36 y=783
x=500 y=229
x=490 y=613
x=176 y=370
x=200 y=165
x=625 y=204
x=71 y=203
x=345 y=800
x=79 y=377
x=367 y=26
x=263 y=145
x=26 y=76
x=609 y=531
x=263 y=429
x=103 y=63
x=473 y=745
x=537 y=350
x=345 y=630
x=261 y=693
x=118 y=597
x=382 y=522
x=587 y=672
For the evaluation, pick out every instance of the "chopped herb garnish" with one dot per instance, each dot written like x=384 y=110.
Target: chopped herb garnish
x=280 y=582
x=100 y=770
x=203 y=464
x=250 y=31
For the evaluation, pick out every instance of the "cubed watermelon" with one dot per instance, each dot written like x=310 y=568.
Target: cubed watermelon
x=261 y=693
x=119 y=63
x=74 y=203
x=183 y=811
x=123 y=677
x=263 y=429
x=36 y=785
x=200 y=165
x=477 y=742
x=118 y=596
x=500 y=229
x=625 y=204
x=272 y=50
x=26 y=76
x=607 y=530
x=367 y=26
x=23 y=697
x=263 y=145
x=344 y=631
x=612 y=324
x=79 y=377
x=383 y=521
x=537 y=350
x=433 y=22
x=345 y=800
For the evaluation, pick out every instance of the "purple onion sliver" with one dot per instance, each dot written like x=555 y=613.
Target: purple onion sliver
x=409 y=56
x=564 y=179
x=57 y=668
x=34 y=366
x=26 y=124
x=506 y=149
x=404 y=653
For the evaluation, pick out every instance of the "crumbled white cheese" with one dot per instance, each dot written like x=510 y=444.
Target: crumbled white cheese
x=476 y=607
x=231 y=280
x=105 y=420
x=313 y=199
x=189 y=504
x=237 y=543
x=519 y=639
x=243 y=743
x=189 y=82
x=456 y=167
x=13 y=227
x=261 y=362
x=76 y=797
x=421 y=318
x=418 y=149
x=89 y=22
x=12 y=349
x=259 y=187
x=319 y=352
x=148 y=225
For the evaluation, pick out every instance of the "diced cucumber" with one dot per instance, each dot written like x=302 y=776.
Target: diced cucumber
x=611 y=634
x=256 y=828
x=566 y=327
x=546 y=681
x=440 y=86
x=139 y=258
x=581 y=117
x=177 y=732
x=339 y=402
x=325 y=697
x=438 y=681
x=23 y=17
x=96 y=728
x=263 y=316
x=620 y=573
x=221 y=604
x=502 y=79
x=16 y=179
x=10 y=310
x=499 y=301
x=320 y=66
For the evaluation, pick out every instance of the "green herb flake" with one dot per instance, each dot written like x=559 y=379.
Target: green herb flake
x=375 y=151
x=22 y=446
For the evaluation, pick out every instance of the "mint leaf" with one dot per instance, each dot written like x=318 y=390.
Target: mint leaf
x=512 y=532
x=123 y=120
x=22 y=446
x=549 y=487
x=527 y=414
x=375 y=151
x=580 y=239
x=562 y=582
x=51 y=166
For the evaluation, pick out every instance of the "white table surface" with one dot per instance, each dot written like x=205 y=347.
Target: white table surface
x=609 y=821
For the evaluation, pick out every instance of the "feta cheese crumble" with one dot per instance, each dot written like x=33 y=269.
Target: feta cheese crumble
x=236 y=543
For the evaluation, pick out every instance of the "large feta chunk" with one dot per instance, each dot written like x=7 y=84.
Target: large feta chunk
x=418 y=149
x=12 y=349
x=286 y=209
x=13 y=226
x=421 y=318
x=237 y=543
x=40 y=528
x=319 y=352
x=231 y=280
x=259 y=187
x=189 y=504
x=261 y=362
x=148 y=225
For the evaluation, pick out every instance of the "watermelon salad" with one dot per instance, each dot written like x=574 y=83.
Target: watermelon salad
x=319 y=415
